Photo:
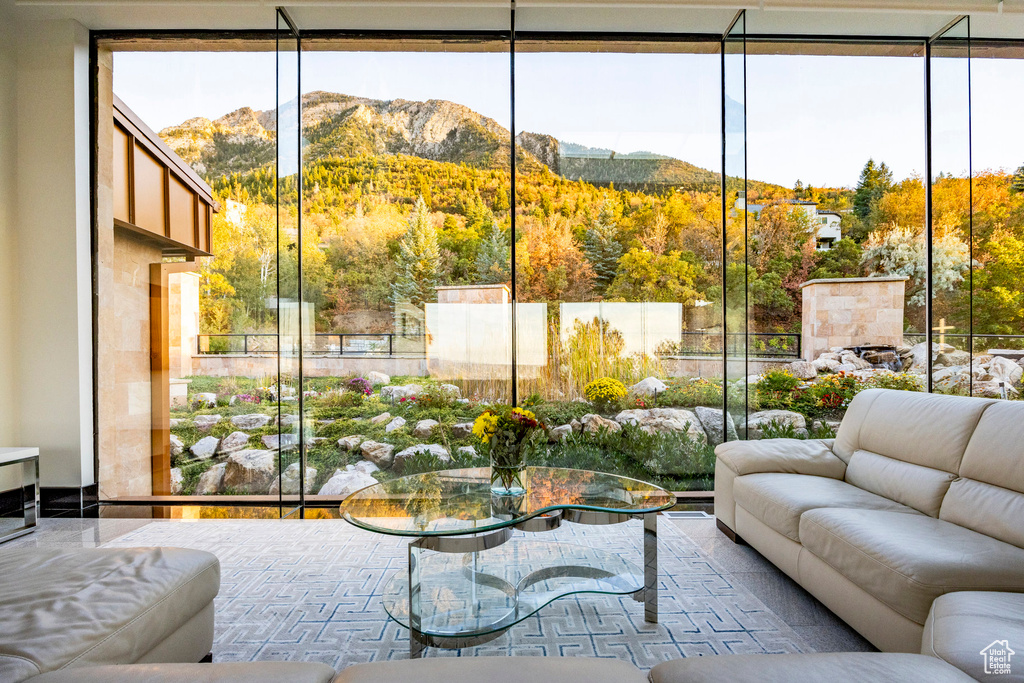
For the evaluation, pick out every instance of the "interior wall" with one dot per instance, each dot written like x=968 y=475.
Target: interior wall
x=52 y=269
x=8 y=423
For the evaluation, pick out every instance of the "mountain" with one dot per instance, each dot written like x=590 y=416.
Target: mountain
x=337 y=125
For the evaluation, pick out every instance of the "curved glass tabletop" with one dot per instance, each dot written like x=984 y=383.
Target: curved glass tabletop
x=458 y=502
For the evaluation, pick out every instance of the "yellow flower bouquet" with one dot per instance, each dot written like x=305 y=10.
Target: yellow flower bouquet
x=507 y=432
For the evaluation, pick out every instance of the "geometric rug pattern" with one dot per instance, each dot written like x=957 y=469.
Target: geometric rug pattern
x=310 y=590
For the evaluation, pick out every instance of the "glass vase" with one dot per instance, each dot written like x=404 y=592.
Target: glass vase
x=508 y=463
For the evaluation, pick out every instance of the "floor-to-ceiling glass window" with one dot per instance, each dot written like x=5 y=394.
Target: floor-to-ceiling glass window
x=317 y=244
x=407 y=249
x=618 y=253
x=835 y=207
x=997 y=221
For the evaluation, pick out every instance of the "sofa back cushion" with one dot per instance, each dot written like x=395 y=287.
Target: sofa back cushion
x=931 y=430
x=921 y=488
x=989 y=496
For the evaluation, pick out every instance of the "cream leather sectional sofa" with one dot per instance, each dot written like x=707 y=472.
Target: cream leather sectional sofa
x=919 y=496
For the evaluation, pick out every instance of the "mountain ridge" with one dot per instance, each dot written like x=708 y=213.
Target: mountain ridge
x=336 y=124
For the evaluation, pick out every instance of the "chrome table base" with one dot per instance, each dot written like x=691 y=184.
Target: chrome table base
x=419 y=641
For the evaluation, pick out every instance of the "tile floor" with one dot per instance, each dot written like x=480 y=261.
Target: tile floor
x=809 y=618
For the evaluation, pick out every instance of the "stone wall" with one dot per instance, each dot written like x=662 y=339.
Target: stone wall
x=851 y=312
x=125 y=398
x=183 y=315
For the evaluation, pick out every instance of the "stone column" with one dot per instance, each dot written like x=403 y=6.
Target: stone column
x=855 y=311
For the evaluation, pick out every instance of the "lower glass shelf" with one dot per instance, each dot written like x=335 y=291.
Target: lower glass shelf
x=471 y=594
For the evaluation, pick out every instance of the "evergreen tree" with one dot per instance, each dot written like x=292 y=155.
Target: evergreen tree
x=602 y=247
x=874 y=182
x=494 y=257
x=1017 y=183
x=416 y=278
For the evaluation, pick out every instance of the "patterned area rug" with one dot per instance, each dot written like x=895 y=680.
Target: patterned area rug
x=311 y=591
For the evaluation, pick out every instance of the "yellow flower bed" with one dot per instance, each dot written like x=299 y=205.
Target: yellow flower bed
x=605 y=391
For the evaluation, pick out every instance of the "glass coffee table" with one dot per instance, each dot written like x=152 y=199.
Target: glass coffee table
x=469 y=578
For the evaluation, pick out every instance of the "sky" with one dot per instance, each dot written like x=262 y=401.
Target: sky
x=816 y=119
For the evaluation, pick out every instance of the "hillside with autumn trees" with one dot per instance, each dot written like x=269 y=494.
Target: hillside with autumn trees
x=401 y=197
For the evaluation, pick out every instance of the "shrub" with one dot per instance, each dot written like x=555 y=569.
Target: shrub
x=605 y=392
x=774 y=389
x=780 y=430
x=833 y=392
x=696 y=392
x=903 y=381
x=358 y=385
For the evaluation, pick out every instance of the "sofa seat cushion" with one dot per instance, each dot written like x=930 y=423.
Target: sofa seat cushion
x=875 y=667
x=72 y=607
x=962 y=625
x=495 y=670
x=778 y=500
x=906 y=561
x=227 y=672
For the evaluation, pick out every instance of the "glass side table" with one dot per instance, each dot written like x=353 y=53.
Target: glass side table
x=19 y=491
x=468 y=579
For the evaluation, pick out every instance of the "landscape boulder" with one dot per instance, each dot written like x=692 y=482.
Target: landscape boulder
x=251 y=421
x=802 y=369
x=423 y=428
x=350 y=443
x=396 y=423
x=383 y=417
x=176 y=481
x=451 y=390
x=175 y=422
x=466 y=451
x=717 y=428
x=235 y=441
x=250 y=471
x=462 y=430
x=664 y=421
x=1005 y=370
x=593 y=423
x=211 y=481
x=918 y=355
x=289 y=484
x=346 y=482
x=954 y=357
x=827 y=365
x=205 y=447
x=758 y=421
x=364 y=466
x=439 y=452
x=380 y=454
x=288 y=419
x=375 y=378
x=177 y=447
x=398 y=392
x=649 y=386
x=204 y=422
x=279 y=442
x=559 y=433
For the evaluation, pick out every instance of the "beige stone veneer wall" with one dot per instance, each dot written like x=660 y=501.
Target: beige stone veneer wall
x=851 y=312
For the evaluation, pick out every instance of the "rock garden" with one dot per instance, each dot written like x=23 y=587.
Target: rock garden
x=235 y=433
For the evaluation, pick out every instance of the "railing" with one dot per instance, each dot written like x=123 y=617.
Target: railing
x=961 y=340
x=326 y=344
x=761 y=344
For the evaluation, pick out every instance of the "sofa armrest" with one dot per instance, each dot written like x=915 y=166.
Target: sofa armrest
x=790 y=456
x=227 y=672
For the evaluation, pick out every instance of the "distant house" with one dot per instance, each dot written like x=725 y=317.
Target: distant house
x=826 y=223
